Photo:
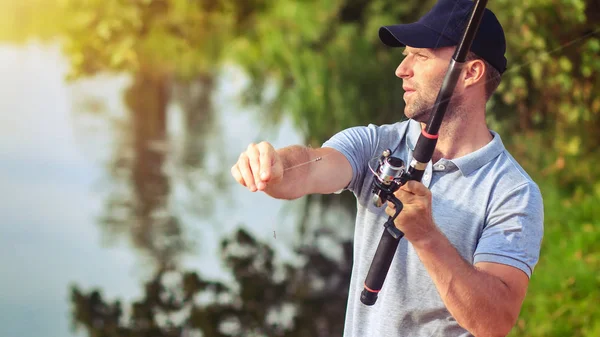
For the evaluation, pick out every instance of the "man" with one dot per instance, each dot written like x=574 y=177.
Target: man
x=473 y=226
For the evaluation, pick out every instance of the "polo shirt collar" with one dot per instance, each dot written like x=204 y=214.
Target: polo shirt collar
x=413 y=133
x=466 y=164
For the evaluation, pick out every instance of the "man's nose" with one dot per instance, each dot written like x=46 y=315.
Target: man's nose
x=404 y=70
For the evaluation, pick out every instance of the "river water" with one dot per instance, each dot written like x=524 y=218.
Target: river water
x=54 y=151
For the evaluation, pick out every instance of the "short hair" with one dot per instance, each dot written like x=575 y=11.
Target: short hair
x=492 y=75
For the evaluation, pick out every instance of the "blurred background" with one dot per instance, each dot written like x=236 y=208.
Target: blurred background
x=120 y=120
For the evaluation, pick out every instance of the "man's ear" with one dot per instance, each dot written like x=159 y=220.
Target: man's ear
x=474 y=71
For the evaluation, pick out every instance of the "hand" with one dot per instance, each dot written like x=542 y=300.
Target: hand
x=415 y=220
x=258 y=166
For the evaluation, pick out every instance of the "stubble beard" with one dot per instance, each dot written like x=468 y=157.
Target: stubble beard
x=420 y=109
x=422 y=106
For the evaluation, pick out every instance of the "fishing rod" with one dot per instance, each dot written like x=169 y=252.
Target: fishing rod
x=390 y=173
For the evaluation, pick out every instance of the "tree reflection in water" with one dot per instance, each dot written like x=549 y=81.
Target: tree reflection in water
x=267 y=297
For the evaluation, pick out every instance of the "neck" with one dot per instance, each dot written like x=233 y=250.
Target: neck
x=461 y=133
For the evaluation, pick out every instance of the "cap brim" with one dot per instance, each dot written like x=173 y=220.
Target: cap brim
x=414 y=35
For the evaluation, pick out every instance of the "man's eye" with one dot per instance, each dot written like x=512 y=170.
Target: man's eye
x=421 y=56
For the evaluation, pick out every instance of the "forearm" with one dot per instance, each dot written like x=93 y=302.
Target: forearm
x=296 y=165
x=480 y=302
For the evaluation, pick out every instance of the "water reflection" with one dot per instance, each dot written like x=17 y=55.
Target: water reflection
x=157 y=156
x=48 y=238
x=139 y=203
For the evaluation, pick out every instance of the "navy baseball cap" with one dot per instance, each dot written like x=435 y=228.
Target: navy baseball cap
x=444 y=26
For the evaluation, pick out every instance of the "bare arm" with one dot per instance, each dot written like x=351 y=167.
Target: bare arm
x=304 y=174
x=485 y=299
x=293 y=171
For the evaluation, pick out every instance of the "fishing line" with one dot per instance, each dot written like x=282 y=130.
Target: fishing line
x=306 y=163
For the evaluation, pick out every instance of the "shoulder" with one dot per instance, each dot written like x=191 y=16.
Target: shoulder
x=504 y=169
x=513 y=189
x=512 y=176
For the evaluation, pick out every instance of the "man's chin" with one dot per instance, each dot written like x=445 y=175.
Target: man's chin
x=420 y=116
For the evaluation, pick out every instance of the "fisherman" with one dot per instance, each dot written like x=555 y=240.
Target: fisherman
x=474 y=224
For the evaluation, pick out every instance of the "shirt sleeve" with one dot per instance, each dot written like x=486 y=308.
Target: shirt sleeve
x=358 y=145
x=514 y=229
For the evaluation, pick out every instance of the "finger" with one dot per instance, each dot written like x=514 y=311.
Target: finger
x=405 y=197
x=237 y=175
x=390 y=210
x=253 y=159
x=415 y=187
x=267 y=153
x=246 y=171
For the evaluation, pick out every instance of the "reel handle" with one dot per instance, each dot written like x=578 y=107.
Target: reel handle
x=384 y=255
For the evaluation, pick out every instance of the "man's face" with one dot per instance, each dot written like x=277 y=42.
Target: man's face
x=422 y=72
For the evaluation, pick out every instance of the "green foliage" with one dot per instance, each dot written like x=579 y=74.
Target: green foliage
x=552 y=76
x=179 y=37
x=328 y=67
x=21 y=21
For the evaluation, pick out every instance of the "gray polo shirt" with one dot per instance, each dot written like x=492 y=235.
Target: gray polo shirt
x=485 y=204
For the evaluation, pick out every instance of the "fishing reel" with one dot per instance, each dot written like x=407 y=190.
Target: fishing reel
x=390 y=174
